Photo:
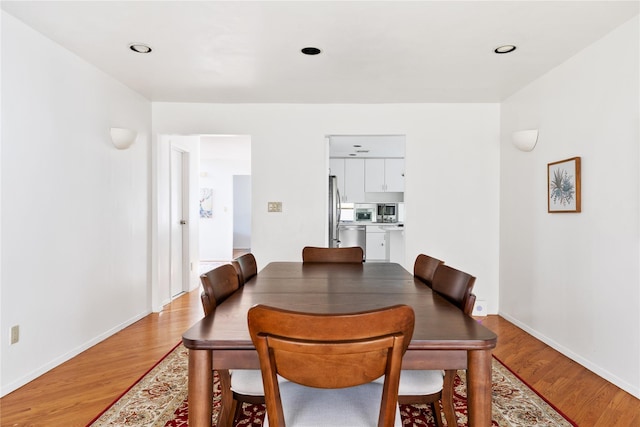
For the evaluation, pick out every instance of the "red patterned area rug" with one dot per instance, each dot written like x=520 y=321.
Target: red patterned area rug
x=159 y=399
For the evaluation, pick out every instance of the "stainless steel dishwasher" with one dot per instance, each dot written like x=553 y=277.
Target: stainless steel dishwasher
x=352 y=235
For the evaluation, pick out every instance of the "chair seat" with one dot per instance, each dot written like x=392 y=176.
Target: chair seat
x=313 y=407
x=418 y=382
x=247 y=382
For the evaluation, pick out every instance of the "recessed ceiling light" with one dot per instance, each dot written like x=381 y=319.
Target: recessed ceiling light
x=140 y=48
x=310 y=50
x=507 y=48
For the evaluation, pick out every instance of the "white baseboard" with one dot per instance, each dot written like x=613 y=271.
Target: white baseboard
x=614 y=379
x=8 y=388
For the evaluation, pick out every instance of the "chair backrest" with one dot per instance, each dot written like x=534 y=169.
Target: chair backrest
x=218 y=284
x=247 y=267
x=425 y=267
x=471 y=302
x=207 y=305
x=331 y=351
x=454 y=285
x=353 y=254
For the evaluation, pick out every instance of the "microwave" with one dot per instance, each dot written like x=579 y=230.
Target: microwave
x=365 y=214
x=387 y=212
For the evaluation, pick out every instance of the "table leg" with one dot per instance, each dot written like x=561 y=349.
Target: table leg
x=200 y=388
x=479 y=387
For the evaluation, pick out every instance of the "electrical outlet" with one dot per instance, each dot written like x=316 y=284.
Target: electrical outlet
x=274 y=206
x=15 y=334
x=480 y=308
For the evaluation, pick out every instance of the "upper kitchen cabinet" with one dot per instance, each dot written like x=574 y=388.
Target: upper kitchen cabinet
x=384 y=175
x=350 y=174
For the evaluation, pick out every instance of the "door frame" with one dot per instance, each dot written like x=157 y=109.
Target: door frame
x=185 y=168
x=160 y=268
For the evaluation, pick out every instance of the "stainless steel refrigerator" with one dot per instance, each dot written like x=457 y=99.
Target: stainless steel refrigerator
x=334 y=211
x=347 y=234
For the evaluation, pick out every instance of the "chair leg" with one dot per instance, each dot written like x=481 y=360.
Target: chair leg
x=237 y=411
x=447 y=398
x=225 y=418
x=240 y=399
x=437 y=416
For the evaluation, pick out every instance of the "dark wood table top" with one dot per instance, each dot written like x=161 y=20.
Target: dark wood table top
x=339 y=288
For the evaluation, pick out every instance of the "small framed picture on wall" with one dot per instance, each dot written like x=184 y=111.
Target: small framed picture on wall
x=563 y=186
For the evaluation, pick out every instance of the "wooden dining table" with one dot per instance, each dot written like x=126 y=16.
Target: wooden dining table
x=443 y=337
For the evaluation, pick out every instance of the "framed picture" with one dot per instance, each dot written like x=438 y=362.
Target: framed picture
x=563 y=186
x=206 y=203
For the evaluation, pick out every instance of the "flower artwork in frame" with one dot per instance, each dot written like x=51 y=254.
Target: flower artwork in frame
x=206 y=203
x=563 y=186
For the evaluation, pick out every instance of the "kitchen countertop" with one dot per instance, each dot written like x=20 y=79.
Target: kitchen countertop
x=388 y=226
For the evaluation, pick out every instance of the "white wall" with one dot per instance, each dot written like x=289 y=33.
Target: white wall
x=573 y=279
x=242 y=212
x=452 y=174
x=216 y=233
x=75 y=211
x=223 y=157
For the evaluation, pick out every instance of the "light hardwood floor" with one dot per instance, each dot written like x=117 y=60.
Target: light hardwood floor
x=78 y=390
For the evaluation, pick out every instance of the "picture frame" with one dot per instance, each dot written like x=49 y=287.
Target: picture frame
x=563 y=186
x=206 y=203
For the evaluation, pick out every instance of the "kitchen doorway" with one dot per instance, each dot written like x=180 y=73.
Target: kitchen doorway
x=367 y=208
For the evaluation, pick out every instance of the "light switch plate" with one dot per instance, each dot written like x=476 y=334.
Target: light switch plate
x=274 y=207
x=15 y=334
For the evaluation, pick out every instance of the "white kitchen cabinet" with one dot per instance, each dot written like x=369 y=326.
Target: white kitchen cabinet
x=350 y=174
x=384 y=175
x=394 y=175
x=374 y=175
x=354 y=180
x=396 y=246
x=377 y=247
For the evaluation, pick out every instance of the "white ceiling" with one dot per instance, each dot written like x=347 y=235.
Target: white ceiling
x=373 y=52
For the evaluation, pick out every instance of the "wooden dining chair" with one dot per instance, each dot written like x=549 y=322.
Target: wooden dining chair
x=455 y=286
x=245 y=384
x=217 y=285
x=246 y=266
x=353 y=254
x=433 y=386
x=331 y=361
x=425 y=267
x=419 y=386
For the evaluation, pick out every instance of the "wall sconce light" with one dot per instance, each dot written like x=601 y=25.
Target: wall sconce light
x=525 y=140
x=123 y=138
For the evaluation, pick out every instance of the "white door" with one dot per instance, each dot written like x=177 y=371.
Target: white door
x=179 y=231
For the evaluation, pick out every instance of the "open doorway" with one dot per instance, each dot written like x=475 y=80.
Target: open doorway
x=223 y=157
x=225 y=198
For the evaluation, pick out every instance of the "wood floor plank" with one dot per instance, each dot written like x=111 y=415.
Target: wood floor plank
x=586 y=398
x=75 y=392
